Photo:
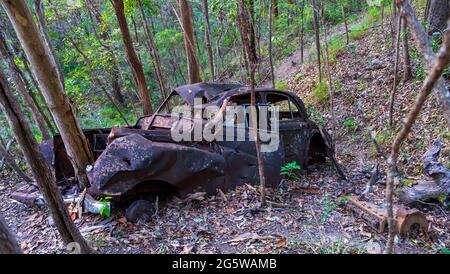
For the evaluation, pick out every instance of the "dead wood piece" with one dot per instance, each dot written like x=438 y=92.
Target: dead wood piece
x=376 y=216
x=434 y=185
x=375 y=174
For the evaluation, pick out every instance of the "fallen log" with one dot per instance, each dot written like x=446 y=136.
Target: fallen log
x=376 y=216
x=435 y=186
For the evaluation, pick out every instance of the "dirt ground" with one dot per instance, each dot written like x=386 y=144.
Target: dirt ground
x=306 y=216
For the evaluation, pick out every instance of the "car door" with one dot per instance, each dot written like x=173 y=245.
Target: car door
x=293 y=127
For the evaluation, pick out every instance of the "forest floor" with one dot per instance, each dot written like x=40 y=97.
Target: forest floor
x=314 y=217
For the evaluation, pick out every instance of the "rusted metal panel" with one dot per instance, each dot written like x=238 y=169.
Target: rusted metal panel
x=145 y=159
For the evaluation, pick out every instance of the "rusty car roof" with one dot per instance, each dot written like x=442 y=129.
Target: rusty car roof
x=215 y=93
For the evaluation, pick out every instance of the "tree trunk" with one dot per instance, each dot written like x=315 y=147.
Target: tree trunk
x=345 y=23
x=397 y=59
x=438 y=15
x=22 y=89
x=8 y=242
x=330 y=83
x=272 y=74
x=423 y=45
x=103 y=39
x=251 y=28
x=42 y=23
x=302 y=34
x=41 y=171
x=440 y=63
x=44 y=69
x=12 y=164
x=154 y=52
x=317 y=36
x=208 y=39
x=407 y=74
x=136 y=66
x=275 y=8
x=253 y=114
x=189 y=41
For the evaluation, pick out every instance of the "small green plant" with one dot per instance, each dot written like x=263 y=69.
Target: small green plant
x=320 y=92
x=351 y=123
x=288 y=171
x=316 y=116
x=281 y=85
x=328 y=206
x=105 y=209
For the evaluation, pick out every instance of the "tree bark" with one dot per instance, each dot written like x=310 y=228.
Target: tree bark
x=407 y=73
x=423 y=45
x=103 y=37
x=8 y=242
x=42 y=23
x=252 y=64
x=272 y=74
x=12 y=164
x=136 y=66
x=317 y=36
x=208 y=40
x=41 y=171
x=438 y=13
x=45 y=71
x=189 y=41
x=22 y=89
x=397 y=59
x=346 y=25
x=302 y=33
x=154 y=52
x=440 y=63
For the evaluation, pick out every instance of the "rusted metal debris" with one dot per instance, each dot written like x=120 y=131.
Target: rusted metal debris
x=144 y=159
x=375 y=216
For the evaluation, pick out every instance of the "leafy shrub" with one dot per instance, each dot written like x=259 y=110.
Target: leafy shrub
x=105 y=209
x=351 y=123
x=281 y=85
x=316 y=115
x=320 y=92
x=288 y=171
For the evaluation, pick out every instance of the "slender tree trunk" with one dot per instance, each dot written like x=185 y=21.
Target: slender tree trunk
x=252 y=64
x=41 y=171
x=42 y=23
x=427 y=11
x=8 y=242
x=407 y=59
x=185 y=19
x=397 y=59
x=382 y=16
x=330 y=82
x=12 y=164
x=22 y=89
x=440 y=63
x=302 y=34
x=345 y=23
x=44 y=69
x=317 y=36
x=272 y=74
x=136 y=66
x=437 y=16
x=103 y=38
x=424 y=47
x=154 y=52
x=208 y=40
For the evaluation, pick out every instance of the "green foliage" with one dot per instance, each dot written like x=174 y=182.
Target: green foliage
x=316 y=116
x=289 y=171
x=420 y=67
x=351 y=123
x=328 y=206
x=357 y=32
x=281 y=85
x=105 y=209
x=320 y=92
x=337 y=45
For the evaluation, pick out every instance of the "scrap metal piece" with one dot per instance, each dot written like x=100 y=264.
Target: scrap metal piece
x=376 y=216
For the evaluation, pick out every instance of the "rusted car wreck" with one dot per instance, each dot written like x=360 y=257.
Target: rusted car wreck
x=144 y=159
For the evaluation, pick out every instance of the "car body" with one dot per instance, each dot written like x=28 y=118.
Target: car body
x=144 y=159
